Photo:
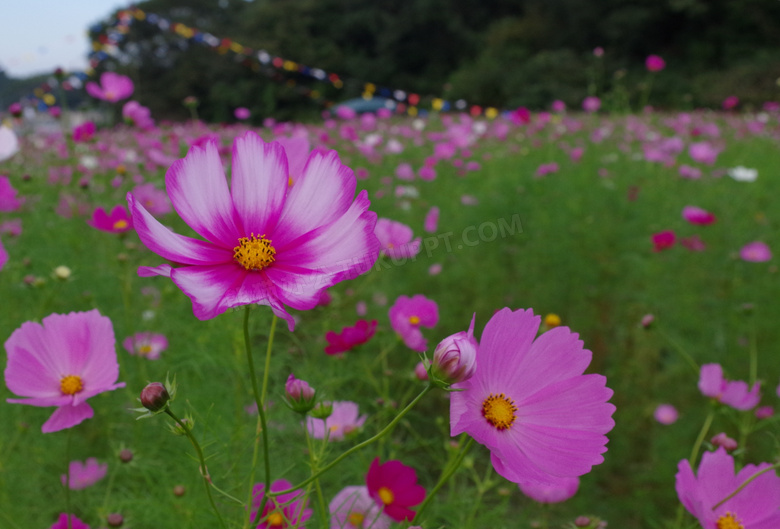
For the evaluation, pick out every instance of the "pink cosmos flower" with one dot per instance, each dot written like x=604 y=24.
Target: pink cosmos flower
x=267 y=243
x=118 y=221
x=696 y=215
x=242 y=113
x=755 y=252
x=725 y=441
x=83 y=475
x=407 y=315
x=663 y=240
x=545 y=169
x=591 y=104
x=84 y=132
x=764 y=412
x=154 y=200
x=62 y=361
x=666 y=414
x=146 y=344
x=136 y=114
x=395 y=239
x=404 y=171
x=686 y=171
x=693 y=243
x=703 y=152
x=530 y=404
x=431 y=222
x=654 y=63
x=393 y=486
x=350 y=337
x=757 y=506
x=730 y=102
x=63 y=522
x=9 y=144
x=732 y=393
x=280 y=512
x=112 y=88
x=344 y=420
x=558 y=106
x=555 y=493
x=353 y=508
x=8 y=200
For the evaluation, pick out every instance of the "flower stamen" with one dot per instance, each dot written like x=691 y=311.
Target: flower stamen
x=253 y=253
x=386 y=495
x=414 y=320
x=729 y=521
x=355 y=519
x=499 y=410
x=71 y=384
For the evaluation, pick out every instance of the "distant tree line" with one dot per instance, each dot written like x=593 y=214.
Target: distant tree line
x=504 y=53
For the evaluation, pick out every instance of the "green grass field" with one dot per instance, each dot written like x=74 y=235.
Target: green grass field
x=576 y=242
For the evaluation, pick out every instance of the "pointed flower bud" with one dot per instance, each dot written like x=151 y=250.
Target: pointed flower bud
x=300 y=396
x=455 y=358
x=155 y=397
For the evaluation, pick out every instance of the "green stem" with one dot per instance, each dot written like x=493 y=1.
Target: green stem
x=745 y=484
x=203 y=469
x=445 y=476
x=358 y=446
x=700 y=439
x=753 y=353
x=682 y=352
x=314 y=462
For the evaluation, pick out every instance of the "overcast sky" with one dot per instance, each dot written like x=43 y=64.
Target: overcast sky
x=37 y=36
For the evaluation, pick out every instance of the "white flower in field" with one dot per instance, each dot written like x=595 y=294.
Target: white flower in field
x=9 y=144
x=418 y=124
x=743 y=174
x=89 y=161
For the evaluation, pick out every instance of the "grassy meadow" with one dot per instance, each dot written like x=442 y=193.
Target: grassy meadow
x=575 y=242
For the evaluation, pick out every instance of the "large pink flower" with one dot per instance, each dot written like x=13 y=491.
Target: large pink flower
x=112 y=88
x=62 y=362
x=266 y=242
x=530 y=404
x=83 y=475
x=757 y=506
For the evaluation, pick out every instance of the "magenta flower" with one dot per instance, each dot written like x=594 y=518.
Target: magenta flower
x=730 y=102
x=118 y=221
x=666 y=414
x=83 y=475
x=696 y=215
x=344 y=420
x=407 y=315
x=732 y=393
x=62 y=522
x=725 y=441
x=663 y=240
x=757 y=506
x=431 y=222
x=242 y=113
x=591 y=104
x=280 y=512
x=353 y=508
x=154 y=200
x=350 y=337
x=703 y=152
x=8 y=200
x=395 y=239
x=112 y=88
x=136 y=114
x=654 y=63
x=755 y=252
x=146 y=344
x=62 y=362
x=393 y=486
x=554 y=493
x=84 y=132
x=530 y=404
x=545 y=169
x=267 y=243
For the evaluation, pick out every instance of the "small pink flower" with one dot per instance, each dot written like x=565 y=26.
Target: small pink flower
x=663 y=240
x=112 y=88
x=420 y=372
x=591 y=104
x=353 y=508
x=84 y=132
x=395 y=239
x=407 y=315
x=545 y=169
x=280 y=512
x=431 y=222
x=136 y=114
x=732 y=393
x=703 y=152
x=434 y=269
x=83 y=475
x=647 y=320
x=686 y=171
x=118 y=221
x=730 y=102
x=394 y=488
x=154 y=200
x=8 y=200
x=755 y=252
x=598 y=51
x=553 y=493
x=242 y=113
x=344 y=420
x=68 y=521
x=469 y=200
x=146 y=344
x=696 y=215
x=665 y=414
x=654 y=63
x=764 y=412
x=558 y=106
x=350 y=337
x=404 y=171
x=725 y=441
x=693 y=243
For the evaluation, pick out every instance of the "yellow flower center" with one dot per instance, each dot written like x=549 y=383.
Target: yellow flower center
x=290 y=181
x=275 y=519
x=145 y=349
x=120 y=224
x=253 y=253
x=110 y=96
x=71 y=384
x=552 y=320
x=121 y=169
x=356 y=519
x=729 y=521
x=499 y=410
x=414 y=320
x=386 y=495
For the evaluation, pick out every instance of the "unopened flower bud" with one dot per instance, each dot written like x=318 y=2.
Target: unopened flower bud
x=179 y=490
x=455 y=358
x=300 y=396
x=420 y=371
x=725 y=441
x=115 y=519
x=126 y=455
x=582 y=521
x=322 y=410
x=155 y=397
x=647 y=320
